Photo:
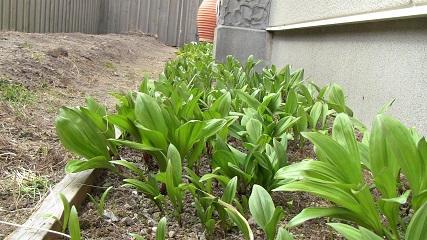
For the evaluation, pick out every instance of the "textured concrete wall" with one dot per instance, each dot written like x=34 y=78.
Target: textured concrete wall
x=252 y=42
x=290 y=11
x=248 y=13
x=419 y=1
x=374 y=63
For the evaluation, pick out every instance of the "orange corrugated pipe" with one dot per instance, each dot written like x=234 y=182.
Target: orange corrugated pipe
x=206 y=20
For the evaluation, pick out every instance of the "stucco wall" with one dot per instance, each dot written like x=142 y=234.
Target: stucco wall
x=290 y=11
x=374 y=63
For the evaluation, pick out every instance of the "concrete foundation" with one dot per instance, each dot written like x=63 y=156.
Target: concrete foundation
x=241 y=43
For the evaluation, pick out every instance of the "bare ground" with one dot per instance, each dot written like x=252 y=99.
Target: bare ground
x=54 y=70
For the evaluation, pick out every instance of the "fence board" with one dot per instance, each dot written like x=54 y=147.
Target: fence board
x=173 y=21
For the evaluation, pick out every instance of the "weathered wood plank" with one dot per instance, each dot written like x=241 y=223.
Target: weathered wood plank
x=75 y=187
x=133 y=15
x=173 y=28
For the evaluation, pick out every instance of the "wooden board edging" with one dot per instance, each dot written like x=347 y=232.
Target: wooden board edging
x=75 y=187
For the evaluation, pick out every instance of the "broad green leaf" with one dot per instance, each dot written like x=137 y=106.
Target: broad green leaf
x=369 y=235
x=283 y=125
x=405 y=151
x=96 y=107
x=176 y=165
x=153 y=137
x=347 y=231
x=330 y=151
x=134 y=145
x=75 y=165
x=336 y=100
x=307 y=96
x=79 y=135
x=343 y=133
x=254 y=128
x=125 y=124
x=187 y=134
x=230 y=191
x=271 y=226
x=213 y=126
x=381 y=154
x=338 y=193
x=291 y=104
x=367 y=209
x=196 y=153
x=222 y=105
x=261 y=206
x=417 y=228
x=103 y=126
x=248 y=99
x=161 y=229
x=221 y=159
x=223 y=180
x=149 y=113
x=170 y=185
x=130 y=166
x=334 y=212
x=282 y=234
x=315 y=113
x=73 y=225
x=293 y=171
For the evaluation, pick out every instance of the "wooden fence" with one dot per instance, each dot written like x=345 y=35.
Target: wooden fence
x=50 y=15
x=172 y=21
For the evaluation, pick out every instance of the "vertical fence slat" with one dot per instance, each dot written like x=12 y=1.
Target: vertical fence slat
x=154 y=14
x=144 y=12
x=2 y=16
x=163 y=20
x=133 y=15
x=173 y=23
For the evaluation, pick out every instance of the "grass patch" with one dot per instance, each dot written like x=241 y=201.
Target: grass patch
x=14 y=92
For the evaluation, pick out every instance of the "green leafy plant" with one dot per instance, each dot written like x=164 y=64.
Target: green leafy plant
x=263 y=211
x=337 y=174
x=100 y=206
x=70 y=219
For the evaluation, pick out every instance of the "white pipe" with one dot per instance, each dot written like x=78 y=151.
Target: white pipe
x=409 y=12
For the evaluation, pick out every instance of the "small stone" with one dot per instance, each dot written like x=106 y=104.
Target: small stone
x=134 y=193
x=127 y=221
x=148 y=230
x=171 y=234
x=110 y=215
x=154 y=229
x=127 y=206
x=144 y=232
x=157 y=215
x=258 y=232
x=251 y=221
x=151 y=222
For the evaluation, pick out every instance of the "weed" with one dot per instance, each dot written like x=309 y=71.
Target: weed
x=111 y=66
x=14 y=92
x=25 y=45
x=37 y=56
x=29 y=183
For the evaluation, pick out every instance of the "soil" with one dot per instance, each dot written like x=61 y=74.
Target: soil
x=47 y=71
